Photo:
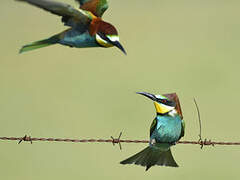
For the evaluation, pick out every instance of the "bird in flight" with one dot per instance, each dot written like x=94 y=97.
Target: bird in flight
x=87 y=28
x=166 y=129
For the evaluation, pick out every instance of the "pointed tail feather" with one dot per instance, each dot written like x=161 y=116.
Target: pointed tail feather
x=40 y=44
x=151 y=156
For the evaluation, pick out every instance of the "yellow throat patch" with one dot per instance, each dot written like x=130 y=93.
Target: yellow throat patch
x=161 y=109
x=104 y=43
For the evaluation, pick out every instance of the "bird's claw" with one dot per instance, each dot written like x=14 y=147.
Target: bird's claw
x=173 y=143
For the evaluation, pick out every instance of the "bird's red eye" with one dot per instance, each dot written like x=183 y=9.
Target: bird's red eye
x=164 y=101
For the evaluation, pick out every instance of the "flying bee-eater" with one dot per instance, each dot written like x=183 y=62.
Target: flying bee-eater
x=87 y=29
x=166 y=129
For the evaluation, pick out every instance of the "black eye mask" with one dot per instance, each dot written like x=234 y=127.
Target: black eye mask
x=104 y=37
x=167 y=102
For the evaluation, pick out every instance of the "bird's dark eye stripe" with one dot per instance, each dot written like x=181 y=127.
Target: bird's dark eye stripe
x=167 y=102
x=104 y=37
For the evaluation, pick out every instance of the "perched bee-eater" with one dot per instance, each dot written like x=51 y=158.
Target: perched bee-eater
x=87 y=29
x=166 y=129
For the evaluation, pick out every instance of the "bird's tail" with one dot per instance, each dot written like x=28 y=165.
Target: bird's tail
x=151 y=156
x=40 y=44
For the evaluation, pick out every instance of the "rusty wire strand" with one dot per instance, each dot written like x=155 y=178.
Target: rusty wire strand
x=199 y=120
x=118 y=140
x=200 y=140
x=112 y=140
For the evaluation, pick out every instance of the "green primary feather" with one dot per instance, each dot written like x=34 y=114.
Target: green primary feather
x=151 y=156
x=100 y=6
x=40 y=44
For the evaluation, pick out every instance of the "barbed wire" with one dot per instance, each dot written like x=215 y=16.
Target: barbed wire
x=201 y=142
x=113 y=140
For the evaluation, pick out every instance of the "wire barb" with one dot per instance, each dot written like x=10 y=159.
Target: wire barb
x=206 y=142
x=117 y=141
x=200 y=140
x=25 y=138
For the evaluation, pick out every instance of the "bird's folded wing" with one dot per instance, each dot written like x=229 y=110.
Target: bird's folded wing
x=97 y=7
x=153 y=126
x=61 y=9
x=183 y=129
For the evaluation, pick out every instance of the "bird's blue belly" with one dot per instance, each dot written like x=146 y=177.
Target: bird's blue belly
x=168 y=129
x=78 y=39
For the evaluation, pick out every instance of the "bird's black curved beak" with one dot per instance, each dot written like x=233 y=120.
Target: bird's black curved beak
x=119 y=46
x=148 y=95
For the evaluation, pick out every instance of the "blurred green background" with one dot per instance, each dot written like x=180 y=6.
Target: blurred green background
x=188 y=47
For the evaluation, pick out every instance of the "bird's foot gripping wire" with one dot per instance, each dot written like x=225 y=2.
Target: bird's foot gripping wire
x=117 y=141
x=173 y=143
x=25 y=138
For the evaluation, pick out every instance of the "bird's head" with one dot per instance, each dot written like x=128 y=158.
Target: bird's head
x=107 y=36
x=162 y=104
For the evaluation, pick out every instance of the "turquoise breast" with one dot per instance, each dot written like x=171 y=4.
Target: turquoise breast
x=168 y=129
x=75 y=38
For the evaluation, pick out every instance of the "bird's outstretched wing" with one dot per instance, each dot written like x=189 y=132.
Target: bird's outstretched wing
x=97 y=7
x=61 y=9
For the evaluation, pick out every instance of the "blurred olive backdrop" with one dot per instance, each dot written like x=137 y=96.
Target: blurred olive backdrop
x=190 y=47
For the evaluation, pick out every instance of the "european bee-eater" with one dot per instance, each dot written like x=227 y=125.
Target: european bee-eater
x=87 y=29
x=166 y=129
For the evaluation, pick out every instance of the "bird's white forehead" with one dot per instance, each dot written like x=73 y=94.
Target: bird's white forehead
x=113 y=38
x=160 y=96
